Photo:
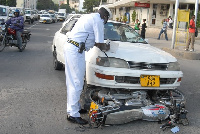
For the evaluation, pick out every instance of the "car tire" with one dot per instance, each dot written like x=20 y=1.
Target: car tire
x=57 y=65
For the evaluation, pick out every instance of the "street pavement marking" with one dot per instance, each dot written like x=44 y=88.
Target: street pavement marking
x=32 y=25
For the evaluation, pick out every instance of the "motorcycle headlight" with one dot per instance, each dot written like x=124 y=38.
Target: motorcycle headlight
x=174 y=66
x=111 y=62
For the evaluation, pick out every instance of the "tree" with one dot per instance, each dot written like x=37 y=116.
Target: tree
x=90 y=4
x=67 y=7
x=134 y=15
x=46 y=4
x=3 y=2
x=11 y=3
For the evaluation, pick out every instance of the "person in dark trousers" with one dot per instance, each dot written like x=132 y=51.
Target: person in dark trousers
x=163 y=30
x=143 y=29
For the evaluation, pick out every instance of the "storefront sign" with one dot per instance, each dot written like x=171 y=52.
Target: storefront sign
x=138 y=4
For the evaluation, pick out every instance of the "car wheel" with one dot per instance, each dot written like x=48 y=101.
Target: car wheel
x=57 y=65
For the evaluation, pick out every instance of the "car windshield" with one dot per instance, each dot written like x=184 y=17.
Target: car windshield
x=52 y=15
x=3 y=11
x=45 y=15
x=61 y=14
x=27 y=12
x=121 y=32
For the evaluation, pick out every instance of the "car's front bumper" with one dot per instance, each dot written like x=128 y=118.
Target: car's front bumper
x=130 y=79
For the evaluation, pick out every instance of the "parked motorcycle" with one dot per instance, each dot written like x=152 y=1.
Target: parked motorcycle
x=8 y=37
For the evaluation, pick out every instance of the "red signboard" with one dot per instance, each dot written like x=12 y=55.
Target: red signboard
x=138 y=4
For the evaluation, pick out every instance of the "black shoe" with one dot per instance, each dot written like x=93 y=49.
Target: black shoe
x=77 y=120
x=158 y=38
x=82 y=111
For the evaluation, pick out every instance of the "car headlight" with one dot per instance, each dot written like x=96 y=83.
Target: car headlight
x=174 y=66
x=111 y=62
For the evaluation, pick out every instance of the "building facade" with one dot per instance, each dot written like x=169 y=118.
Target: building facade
x=154 y=11
x=27 y=3
x=73 y=3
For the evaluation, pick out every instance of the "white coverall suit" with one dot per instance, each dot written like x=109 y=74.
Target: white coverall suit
x=90 y=26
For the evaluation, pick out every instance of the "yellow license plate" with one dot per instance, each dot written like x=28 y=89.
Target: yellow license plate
x=150 y=80
x=44 y=21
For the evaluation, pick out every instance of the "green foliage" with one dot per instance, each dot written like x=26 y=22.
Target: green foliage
x=89 y=4
x=2 y=2
x=46 y=5
x=11 y=3
x=67 y=7
x=134 y=15
x=124 y=19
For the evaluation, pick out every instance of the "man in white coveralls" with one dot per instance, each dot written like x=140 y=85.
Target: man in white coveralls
x=87 y=32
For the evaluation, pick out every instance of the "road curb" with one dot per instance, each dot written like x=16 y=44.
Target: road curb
x=183 y=54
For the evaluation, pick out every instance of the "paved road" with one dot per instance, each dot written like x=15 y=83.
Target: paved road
x=33 y=94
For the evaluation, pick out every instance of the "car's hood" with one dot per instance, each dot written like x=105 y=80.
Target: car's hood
x=137 y=52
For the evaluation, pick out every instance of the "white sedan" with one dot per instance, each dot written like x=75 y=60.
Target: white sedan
x=131 y=74
x=126 y=62
x=46 y=18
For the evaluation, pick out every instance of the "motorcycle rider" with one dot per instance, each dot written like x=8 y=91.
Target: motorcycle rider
x=17 y=23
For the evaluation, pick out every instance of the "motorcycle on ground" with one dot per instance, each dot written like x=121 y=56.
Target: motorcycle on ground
x=8 y=37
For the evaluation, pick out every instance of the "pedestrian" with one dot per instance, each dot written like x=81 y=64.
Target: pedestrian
x=170 y=22
x=143 y=29
x=88 y=31
x=137 y=26
x=163 y=30
x=191 y=37
x=17 y=23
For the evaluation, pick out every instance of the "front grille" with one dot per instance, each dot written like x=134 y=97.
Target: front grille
x=147 y=66
x=136 y=80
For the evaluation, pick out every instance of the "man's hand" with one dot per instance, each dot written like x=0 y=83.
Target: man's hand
x=103 y=46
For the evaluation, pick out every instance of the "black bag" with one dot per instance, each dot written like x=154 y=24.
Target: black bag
x=196 y=32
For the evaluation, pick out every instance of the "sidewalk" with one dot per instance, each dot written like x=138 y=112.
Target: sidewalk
x=179 y=50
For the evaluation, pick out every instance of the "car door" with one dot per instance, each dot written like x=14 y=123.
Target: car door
x=61 y=39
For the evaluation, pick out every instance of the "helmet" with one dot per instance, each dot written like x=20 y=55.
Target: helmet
x=16 y=11
x=110 y=14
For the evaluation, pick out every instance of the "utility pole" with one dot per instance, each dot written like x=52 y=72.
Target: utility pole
x=175 y=24
x=196 y=10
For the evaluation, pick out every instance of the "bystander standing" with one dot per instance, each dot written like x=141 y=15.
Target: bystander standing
x=191 y=37
x=143 y=29
x=163 y=30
